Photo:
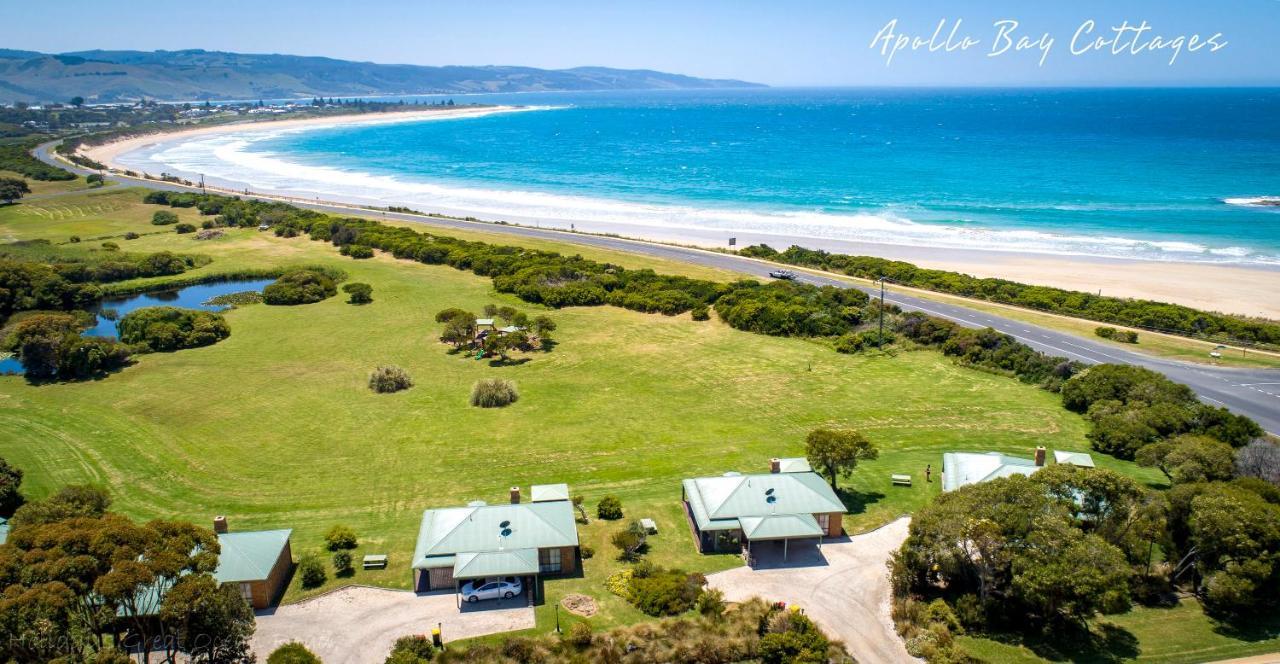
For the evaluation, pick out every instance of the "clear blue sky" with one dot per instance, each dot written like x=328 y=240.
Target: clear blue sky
x=780 y=42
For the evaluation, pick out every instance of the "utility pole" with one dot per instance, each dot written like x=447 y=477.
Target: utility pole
x=880 y=337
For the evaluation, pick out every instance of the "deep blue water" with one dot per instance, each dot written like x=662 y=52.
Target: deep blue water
x=191 y=297
x=1131 y=173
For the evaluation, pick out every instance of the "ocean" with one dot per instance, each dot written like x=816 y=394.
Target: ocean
x=1155 y=174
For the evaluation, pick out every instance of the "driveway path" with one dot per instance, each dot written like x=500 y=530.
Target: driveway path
x=359 y=624
x=846 y=591
x=1251 y=392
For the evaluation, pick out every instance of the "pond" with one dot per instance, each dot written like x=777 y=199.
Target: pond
x=191 y=297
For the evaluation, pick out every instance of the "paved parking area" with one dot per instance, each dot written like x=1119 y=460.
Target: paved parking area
x=844 y=587
x=358 y=624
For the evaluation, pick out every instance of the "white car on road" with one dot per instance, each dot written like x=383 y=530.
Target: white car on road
x=505 y=588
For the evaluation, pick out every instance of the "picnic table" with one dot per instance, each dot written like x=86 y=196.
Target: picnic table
x=375 y=561
x=901 y=480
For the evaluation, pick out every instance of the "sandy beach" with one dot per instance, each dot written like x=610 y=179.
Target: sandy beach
x=1237 y=289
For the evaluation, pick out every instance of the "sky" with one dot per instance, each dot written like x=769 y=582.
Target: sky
x=783 y=42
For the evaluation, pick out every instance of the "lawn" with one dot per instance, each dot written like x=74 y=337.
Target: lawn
x=276 y=428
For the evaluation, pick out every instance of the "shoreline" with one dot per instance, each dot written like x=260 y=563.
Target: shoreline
x=1249 y=290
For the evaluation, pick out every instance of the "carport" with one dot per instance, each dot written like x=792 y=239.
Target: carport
x=490 y=564
x=780 y=528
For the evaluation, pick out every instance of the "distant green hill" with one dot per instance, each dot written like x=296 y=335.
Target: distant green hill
x=106 y=76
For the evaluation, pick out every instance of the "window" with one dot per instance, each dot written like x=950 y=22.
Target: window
x=824 y=522
x=246 y=591
x=548 y=560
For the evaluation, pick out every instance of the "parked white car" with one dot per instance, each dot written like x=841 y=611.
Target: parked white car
x=505 y=587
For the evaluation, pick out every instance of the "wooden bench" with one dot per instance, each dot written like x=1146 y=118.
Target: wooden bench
x=375 y=562
x=901 y=480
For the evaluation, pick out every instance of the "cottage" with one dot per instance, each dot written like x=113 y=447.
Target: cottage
x=258 y=562
x=963 y=468
x=789 y=503
x=478 y=541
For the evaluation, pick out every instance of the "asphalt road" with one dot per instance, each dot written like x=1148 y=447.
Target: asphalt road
x=1251 y=392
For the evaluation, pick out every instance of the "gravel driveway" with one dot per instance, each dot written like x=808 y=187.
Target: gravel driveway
x=845 y=589
x=358 y=624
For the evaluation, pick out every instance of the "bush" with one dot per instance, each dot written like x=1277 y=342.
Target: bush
x=413 y=649
x=311 y=571
x=711 y=603
x=299 y=287
x=666 y=592
x=359 y=293
x=356 y=251
x=630 y=542
x=791 y=638
x=184 y=228
x=110 y=246
x=95 y=180
x=165 y=329
x=292 y=653
x=1123 y=336
x=131 y=235
x=493 y=393
x=588 y=552
x=341 y=537
x=342 y=565
x=74 y=239
x=609 y=508
x=579 y=635
x=388 y=379
x=1105 y=332
x=164 y=218
x=701 y=312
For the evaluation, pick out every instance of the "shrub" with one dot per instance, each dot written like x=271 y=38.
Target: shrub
x=388 y=379
x=359 y=293
x=342 y=565
x=10 y=481
x=311 y=571
x=74 y=239
x=356 y=251
x=701 y=312
x=299 y=287
x=110 y=246
x=1105 y=332
x=413 y=649
x=848 y=343
x=711 y=603
x=493 y=393
x=164 y=218
x=131 y=236
x=588 y=552
x=791 y=638
x=341 y=537
x=94 y=180
x=164 y=329
x=609 y=508
x=1123 y=336
x=666 y=592
x=579 y=635
x=292 y=653
x=184 y=228
x=619 y=583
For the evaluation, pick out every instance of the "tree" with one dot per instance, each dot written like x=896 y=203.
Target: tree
x=631 y=542
x=836 y=452
x=11 y=189
x=341 y=537
x=359 y=293
x=342 y=563
x=459 y=326
x=299 y=287
x=10 y=482
x=69 y=502
x=578 y=501
x=1235 y=535
x=212 y=623
x=1260 y=459
x=77 y=101
x=543 y=326
x=166 y=329
x=1190 y=458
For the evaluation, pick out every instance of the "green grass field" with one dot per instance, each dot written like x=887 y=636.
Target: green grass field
x=276 y=428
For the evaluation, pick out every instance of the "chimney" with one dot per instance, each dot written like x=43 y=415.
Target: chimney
x=1040 y=455
x=219 y=524
x=775 y=466
x=515 y=495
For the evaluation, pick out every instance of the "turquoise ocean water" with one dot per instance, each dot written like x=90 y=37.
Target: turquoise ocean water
x=1152 y=174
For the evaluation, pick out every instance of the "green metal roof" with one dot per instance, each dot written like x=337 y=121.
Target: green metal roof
x=491 y=528
x=1074 y=458
x=794 y=465
x=719 y=503
x=962 y=468
x=780 y=526
x=249 y=556
x=511 y=562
